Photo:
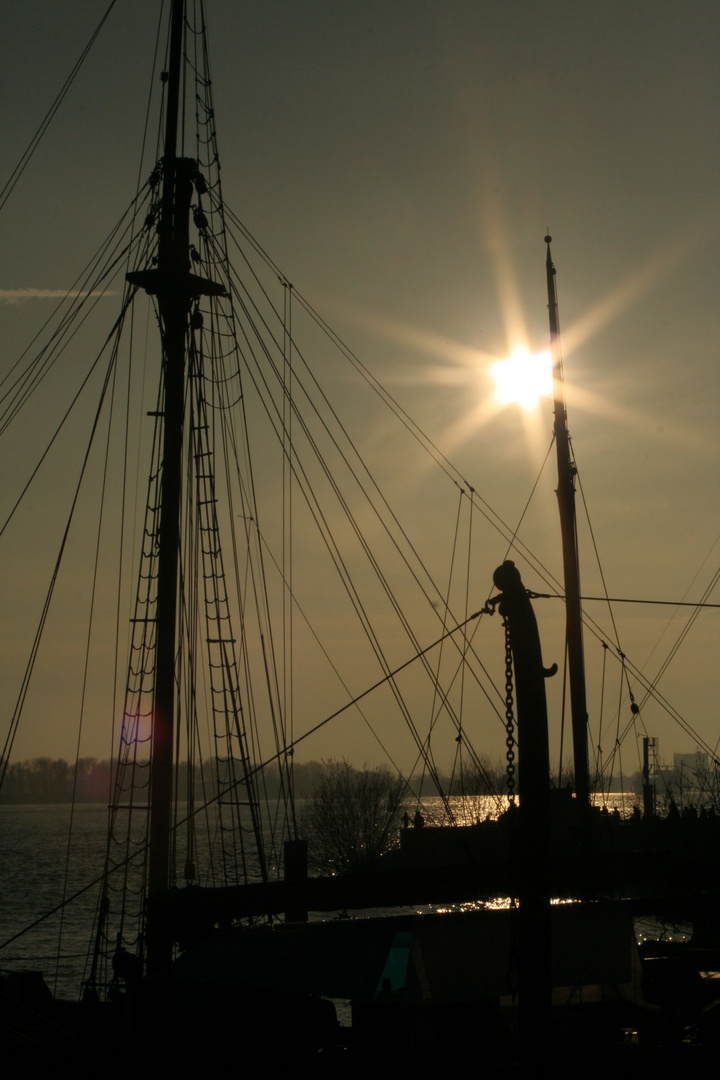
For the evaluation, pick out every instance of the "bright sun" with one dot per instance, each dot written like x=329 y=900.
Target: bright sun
x=523 y=378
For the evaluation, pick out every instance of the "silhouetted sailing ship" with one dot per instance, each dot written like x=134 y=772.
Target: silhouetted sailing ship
x=166 y=956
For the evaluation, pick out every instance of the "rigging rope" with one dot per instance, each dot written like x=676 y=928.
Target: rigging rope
x=17 y=712
x=50 y=114
x=87 y=286
x=88 y=640
x=391 y=517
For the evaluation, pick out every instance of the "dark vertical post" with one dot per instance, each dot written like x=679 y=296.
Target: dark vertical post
x=535 y=983
x=571 y=569
x=648 y=785
x=296 y=875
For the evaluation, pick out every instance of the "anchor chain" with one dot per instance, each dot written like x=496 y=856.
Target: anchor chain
x=509 y=715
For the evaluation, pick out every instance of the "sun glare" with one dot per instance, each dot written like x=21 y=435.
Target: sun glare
x=523 y=378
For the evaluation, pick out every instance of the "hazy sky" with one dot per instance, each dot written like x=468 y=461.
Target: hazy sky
x=401 y=162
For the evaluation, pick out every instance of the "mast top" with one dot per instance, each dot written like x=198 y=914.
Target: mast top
x=548 y=262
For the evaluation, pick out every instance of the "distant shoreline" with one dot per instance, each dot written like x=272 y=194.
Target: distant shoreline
x=45 y=781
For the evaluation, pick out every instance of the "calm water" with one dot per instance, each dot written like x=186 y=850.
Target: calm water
x=34 y=860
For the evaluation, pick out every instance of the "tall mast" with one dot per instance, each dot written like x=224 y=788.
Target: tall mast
x=571 y=569
x=176 y=289
x=173 y=259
